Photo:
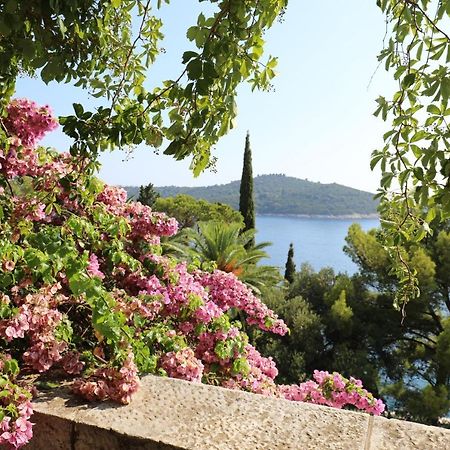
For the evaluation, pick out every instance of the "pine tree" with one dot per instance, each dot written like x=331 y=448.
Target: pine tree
x=148 y=195
x=290 y=265
x=246 y=202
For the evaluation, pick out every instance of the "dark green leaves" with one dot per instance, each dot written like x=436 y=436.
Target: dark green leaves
x=78 y=109
x=415 y=176
x=95 y=51
x=445 y=87
x=409 y=80
x=187 y=56
x=195 y=69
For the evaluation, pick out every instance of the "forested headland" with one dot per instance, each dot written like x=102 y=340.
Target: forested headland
x=280 y=194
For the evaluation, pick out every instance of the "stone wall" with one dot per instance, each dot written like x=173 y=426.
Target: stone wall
x=168 y=414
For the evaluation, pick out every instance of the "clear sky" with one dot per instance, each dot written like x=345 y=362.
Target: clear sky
x=317 y=124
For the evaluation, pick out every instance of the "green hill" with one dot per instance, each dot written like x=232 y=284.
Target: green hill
x=279 y=194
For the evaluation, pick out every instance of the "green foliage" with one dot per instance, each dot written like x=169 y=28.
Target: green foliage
x=328 y=330
x=148 y=195
x=443 y=347
x=290 y=265
x=419 y=405
x=107 y=46
x=279 y=194
x=189 y=211
x=303 y=347
x=418 y=353
x=350 y=325
x=414 y=161
x=246 y=201
x=225 y=245
x=341 y=313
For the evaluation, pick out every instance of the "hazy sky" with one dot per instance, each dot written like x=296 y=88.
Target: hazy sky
x=317 y=124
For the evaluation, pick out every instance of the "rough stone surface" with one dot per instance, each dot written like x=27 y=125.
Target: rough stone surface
x=169 y=414
x=400 y=435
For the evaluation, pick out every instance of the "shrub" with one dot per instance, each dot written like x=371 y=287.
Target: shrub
x=85 y=291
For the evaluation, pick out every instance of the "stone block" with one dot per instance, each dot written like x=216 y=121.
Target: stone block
x=168 y=414
x=402 y=435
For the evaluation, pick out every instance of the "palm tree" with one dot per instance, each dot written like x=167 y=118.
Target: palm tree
x=223 y=245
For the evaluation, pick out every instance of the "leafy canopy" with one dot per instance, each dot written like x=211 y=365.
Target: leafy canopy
x=106 y=46
x=414 y=354
x=85 y=291
x=189 y=211
x=414 y=160
x=230 y=250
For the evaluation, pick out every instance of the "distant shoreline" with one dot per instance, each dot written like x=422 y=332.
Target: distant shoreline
x=322 y=216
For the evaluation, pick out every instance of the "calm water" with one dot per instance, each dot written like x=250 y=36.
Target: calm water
x=317 y=241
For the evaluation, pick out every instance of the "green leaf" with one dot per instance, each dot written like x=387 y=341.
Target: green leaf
x=408 y=80
x=50 y=71
x=194 y=69
x=203 y=86
x=187 y=56
x=433 y=109
x=418 y=136
x=445 y=88
x=11 y=367
x=192 y=33
x=173 y=148
x=374 y=161
x=78 y=109
x=62 y=27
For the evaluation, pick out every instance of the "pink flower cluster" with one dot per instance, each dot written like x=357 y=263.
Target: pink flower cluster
x=334 y=390
x=37 y=318
x=228 y=292
x=17 y=161
x=42 y=355
x=208 y=350
x=110 y=383
x=182 y=288
x=71 y=363
x=265 y=365
x=176 y=289
x=183 y=364
x=260 y=376
x=144 y=223
x=114 y=197
x=29 y=209
x=141 y=306
x=17 y=326
x=93 y=267
x=28 y=121
x=15 y=427
x=152 y=292
x=207 y=312
x=16 y=433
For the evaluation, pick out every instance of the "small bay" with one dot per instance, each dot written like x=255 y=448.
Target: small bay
x=318 y=241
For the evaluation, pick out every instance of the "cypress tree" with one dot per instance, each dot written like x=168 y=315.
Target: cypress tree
x=290 y=265
x=148 y=195
x=246 y=202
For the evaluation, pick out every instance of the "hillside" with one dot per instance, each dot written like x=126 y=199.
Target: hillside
x=279 y=194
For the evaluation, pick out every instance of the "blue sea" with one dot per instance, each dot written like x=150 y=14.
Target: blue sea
x=316 y=241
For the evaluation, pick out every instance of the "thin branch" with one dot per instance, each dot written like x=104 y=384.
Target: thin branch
x=430 y=21
x=435 y=318
x=10 y=187
x=128 y=57
x=410 y=339
x=423 y=336
x=157 y=97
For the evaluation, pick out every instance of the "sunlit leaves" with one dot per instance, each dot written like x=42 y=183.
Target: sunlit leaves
x=108 y=46
x=414 y=160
